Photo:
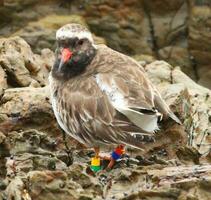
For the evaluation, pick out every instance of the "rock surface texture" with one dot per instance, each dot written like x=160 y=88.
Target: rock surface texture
x=39 y=162
x=177 y=31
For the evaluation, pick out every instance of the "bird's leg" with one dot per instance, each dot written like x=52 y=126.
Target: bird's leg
x=97 y=151
x=115 y=155
x=111 y=163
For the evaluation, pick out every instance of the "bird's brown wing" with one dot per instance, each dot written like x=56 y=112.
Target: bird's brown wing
x=131 y=98
x=120 y=73
x=92 y=119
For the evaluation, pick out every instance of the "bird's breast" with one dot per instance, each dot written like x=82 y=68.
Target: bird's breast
x=59 y=108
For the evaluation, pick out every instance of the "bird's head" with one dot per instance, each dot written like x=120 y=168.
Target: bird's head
x=75 y=50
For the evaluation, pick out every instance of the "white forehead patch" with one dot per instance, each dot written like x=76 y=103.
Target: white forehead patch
x=67 y=33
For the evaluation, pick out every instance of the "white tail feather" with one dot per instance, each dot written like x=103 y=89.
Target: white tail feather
x=146 y=122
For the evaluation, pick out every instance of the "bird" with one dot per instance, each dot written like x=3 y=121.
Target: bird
x=101 y=97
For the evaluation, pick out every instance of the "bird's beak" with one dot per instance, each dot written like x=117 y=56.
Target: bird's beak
x=65 y=56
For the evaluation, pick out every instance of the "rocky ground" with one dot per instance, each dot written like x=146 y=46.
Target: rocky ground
x=39 y=162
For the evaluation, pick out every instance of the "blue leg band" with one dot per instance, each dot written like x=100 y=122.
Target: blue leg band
x=115 y=156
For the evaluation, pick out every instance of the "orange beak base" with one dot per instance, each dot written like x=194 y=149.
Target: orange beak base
x=66 y=55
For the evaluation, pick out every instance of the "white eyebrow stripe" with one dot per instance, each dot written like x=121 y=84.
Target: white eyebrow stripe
x=63 y=34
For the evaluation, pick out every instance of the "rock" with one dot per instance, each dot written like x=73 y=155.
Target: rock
x=22 y=12
x=191 y=101
x=118 y=26
x=188 y=154
x=163 y=31
x=21 y=65
x=35 y=150
x=168 y=22
x=160 y=76
x=13 y=63
x=144 y=59
x=48 y=183
x=15 y=190
x=23 y=106
x=41 y=34
x=2 y=137
x=161 y=183
x=77 y=173
x=55 y=185
x=178 y=56
x=3 y=81
x=48 y=57
x=199 y=39
x=205 y=75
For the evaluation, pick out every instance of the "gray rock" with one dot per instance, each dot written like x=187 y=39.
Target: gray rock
x=21 y=65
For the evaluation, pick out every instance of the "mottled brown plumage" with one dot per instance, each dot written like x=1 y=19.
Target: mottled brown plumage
x=111 y=101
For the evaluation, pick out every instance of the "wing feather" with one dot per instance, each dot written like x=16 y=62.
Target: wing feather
x=128 y=97
x=129 y=81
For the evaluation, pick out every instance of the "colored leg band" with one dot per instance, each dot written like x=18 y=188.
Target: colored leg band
x=115 y=156
x=95 y=168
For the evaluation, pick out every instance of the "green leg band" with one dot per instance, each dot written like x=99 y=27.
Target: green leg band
x=95 y=168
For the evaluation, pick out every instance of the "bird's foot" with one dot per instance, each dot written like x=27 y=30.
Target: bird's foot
x=100 y=164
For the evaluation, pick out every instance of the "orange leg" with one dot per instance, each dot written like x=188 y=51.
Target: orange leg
x=97 y=151
x=111 y=163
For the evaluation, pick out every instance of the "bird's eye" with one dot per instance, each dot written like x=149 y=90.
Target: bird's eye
x=80 y=42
